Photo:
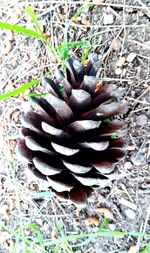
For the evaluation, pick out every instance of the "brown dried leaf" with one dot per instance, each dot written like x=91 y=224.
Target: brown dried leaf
x=131 y=147
x=92 y=220
x=85 y=22
x=8 y=115
x=78 y=211
x=5 y=212
x=115 y=44
x=76 y=223
x=106 y=212
x=13 y=143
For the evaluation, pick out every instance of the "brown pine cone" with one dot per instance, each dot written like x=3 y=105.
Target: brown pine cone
x=72 y=138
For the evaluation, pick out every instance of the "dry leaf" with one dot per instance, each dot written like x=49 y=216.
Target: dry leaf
x=106 y=212
x=85 y=22
x=116 y=44
x=131 y=147
x=76 y=223
x=92 y=220
x=120 y=62
x=78 y=211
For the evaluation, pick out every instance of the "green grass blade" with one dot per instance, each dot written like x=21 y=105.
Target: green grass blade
x=83 y=43
x=19 y=90
x=37 y=94
x=32 y=15
x=63 y=51
x=20 y=29
x=85 y=54
x=80 y=11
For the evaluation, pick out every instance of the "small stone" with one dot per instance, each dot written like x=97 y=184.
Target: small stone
x=108 y=19
x=120 y=62
x=127 y=165
x=130 y=214
x=133 y=249
x=112 y=226
x=131 y=57
x=138 y=158
x=7 y=47
x=141 y=120
x=141 y=14
x=118 y=71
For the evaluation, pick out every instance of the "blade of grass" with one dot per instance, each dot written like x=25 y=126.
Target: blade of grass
x=19 y=90
x=31 y=13
x=83 y=43
x=85 y=54
x=36 y=95
x=80 y=11
x=20 y=29
x=93 y=235
x=63 y=51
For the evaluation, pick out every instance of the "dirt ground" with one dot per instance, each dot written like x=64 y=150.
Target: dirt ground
x=120 y=33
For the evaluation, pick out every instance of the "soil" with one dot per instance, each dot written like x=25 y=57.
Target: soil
x=120 y=33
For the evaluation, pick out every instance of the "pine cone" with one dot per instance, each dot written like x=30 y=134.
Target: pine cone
x=72 y=138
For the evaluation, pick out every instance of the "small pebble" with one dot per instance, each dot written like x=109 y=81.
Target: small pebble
x=141 y=120
x=138 y=158
x=127 y=165
x=112 y=226
x=7 y=47
x=133 y=249
x=108 y=19
x=120 y=62
x=118 y=71
x=130 y=214
x=131 y=57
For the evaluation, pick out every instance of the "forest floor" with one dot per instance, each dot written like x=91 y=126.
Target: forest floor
x=31 y=218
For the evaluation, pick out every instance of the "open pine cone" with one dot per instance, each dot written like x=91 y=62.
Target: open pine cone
x=72 y=137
